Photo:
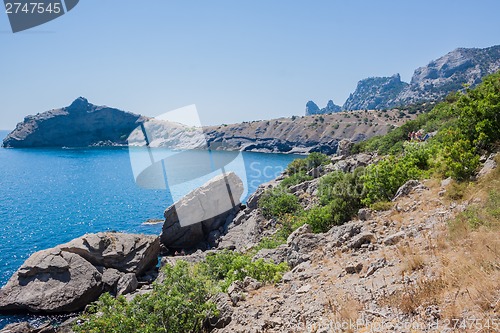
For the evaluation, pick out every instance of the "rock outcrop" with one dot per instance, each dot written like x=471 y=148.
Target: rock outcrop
x=312 y=108
x=375 y=93
x=81 y=124
x=203 y=214
x=463 y=66
x=70 y=276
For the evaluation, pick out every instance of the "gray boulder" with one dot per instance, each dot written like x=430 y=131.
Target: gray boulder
x=52 y=281
x=406 y=188
x=127 y=284
x=68 y=277
x=489 y=165
x=125 y=252
x=190 y=220
x=344 y=147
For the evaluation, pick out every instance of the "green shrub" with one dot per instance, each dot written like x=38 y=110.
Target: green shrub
x=313 y=160
x=295 y=179
x=341 y=193
x=229 y=266
x=319 y=218
x=276 y=203
x=179 y=304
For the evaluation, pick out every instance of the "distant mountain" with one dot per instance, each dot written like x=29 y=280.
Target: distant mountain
x=312 y=108
x=81 y=124
x=375 y=93
x=449 y=73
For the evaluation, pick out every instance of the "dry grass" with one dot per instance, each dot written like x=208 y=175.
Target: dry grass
x=344 y=309
x=468 y=256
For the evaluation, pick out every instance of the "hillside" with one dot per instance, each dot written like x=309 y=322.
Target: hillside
x=83 y=124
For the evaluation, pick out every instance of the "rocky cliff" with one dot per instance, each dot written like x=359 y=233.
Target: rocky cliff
x=449 y=73
x=312 y=108
x=375 y=93
x=81 y=124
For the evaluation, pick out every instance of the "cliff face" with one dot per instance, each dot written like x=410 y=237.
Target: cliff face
x=449 y=73
x=433 y=82
x=375 y=93
x=79 y=125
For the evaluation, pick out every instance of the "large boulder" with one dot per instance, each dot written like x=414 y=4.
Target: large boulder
x=70 y=276
x=128 y=253
x=52 y=281
x=189 y=221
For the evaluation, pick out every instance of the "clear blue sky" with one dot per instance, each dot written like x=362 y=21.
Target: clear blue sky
x=236 y=60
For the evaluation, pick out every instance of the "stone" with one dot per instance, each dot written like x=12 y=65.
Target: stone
x=394 y=238
x=110 y=277
x=305 y=229
x=446 y=182
x=189 y=221
x=364 y=238
x=251 y=283
x=52 y=281
x=225 y=311
x=365 y=214
x=127 y=284
x=406 y=188
x=125 y=252
x=488 y=166
x=213 y=238
x=70 y=276
x=344 y=147
x=304 y=289
x=244 y=235
x=353 y=268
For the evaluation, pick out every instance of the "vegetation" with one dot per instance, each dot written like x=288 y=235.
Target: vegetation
x=181 y=302
x=465 y=125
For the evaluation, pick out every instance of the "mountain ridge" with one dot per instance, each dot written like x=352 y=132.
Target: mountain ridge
x=432 y=82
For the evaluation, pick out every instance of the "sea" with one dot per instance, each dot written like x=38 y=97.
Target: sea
x=51 y=196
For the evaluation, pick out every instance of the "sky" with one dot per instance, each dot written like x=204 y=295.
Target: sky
x=235 y=60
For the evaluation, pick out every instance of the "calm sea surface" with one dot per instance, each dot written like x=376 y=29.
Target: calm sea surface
x=50 y=196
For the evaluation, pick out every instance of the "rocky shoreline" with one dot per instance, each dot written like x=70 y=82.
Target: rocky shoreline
x=83 y=124
x=70 y=276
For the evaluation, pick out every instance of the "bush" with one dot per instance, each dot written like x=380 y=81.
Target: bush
x=319 y=218
x=341 y=193
x=179 y=304
x=276 y=203
x=313 y=160
x=228 y=266
x=295 y=179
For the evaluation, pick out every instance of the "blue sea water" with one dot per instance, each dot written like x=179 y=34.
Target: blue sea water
x=50 y=196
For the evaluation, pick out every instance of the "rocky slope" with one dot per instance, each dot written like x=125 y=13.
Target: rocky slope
x=432 y=82
x=83 y=124
x=79 y=125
